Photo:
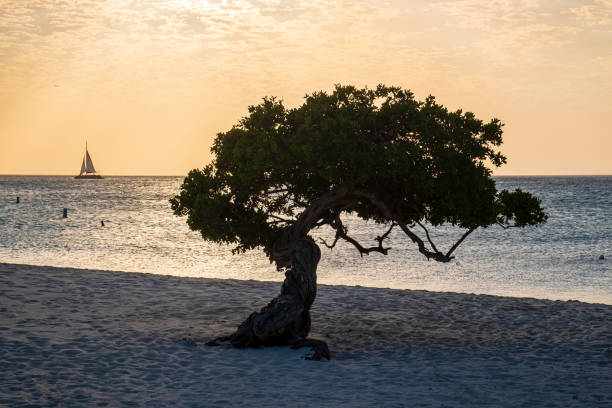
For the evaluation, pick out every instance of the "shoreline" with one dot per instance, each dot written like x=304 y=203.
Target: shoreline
x=279 y=281
x=79 y=337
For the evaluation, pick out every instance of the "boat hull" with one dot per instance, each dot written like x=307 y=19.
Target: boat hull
x=89 y=176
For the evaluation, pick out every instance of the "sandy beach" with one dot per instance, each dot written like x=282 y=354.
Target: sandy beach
x=72 y=337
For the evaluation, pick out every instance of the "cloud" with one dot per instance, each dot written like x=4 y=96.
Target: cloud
x=511 y=24
x=599 y=14
x=219 y=44
x=241 y=41
x=483 y=14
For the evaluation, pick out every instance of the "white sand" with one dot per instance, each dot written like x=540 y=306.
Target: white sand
x=72 y=337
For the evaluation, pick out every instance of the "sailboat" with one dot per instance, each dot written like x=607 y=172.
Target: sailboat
x=88 y=170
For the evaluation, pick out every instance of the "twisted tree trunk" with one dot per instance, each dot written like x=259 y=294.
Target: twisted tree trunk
x=285 y=320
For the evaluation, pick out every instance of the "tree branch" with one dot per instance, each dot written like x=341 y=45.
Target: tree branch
x=382 y=237
x=506 y=226
x=428 y=238
x=333 y=243
x=436 y=256
x=341 y=232
x=280 y=219
x=280 y=190
x=464 y=236
x=387 y=213
x=327 y=209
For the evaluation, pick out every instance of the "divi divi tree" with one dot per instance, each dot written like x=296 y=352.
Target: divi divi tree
x=379 y=154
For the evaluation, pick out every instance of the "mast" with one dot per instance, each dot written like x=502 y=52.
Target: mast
x=87 y=167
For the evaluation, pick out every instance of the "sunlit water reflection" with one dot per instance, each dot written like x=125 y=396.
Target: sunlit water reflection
x=557 y=261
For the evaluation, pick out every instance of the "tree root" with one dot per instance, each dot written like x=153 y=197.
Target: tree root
x=319 y=348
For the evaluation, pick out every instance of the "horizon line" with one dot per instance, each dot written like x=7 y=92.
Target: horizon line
x=183 y=175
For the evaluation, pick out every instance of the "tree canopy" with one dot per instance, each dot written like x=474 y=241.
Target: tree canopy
x=377 y=153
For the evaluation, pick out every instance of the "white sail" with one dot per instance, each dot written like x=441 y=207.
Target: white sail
x=88 y=163
x=88 y=171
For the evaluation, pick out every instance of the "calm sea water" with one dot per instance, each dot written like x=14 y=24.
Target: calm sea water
x=556 y=261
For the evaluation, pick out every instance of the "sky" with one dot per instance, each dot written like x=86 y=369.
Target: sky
x=148 y=84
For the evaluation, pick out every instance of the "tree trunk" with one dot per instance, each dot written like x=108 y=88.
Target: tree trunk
x=285 y=320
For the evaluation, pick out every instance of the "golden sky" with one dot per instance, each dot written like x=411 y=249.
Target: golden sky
x=148 y=84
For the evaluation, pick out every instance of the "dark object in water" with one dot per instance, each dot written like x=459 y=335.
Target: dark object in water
x=601 y=257
x=17 y=200
x=65 y=213
x=188 y=341
x=102 y=222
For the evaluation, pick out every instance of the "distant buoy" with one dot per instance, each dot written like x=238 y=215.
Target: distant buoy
x=102 y=222
x=65 y=213
x=17 y=199
x=601 y=257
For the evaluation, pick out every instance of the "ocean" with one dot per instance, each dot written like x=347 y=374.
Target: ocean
x=558 y=260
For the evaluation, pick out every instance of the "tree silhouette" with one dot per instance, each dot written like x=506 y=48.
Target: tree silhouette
x=377 y=153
